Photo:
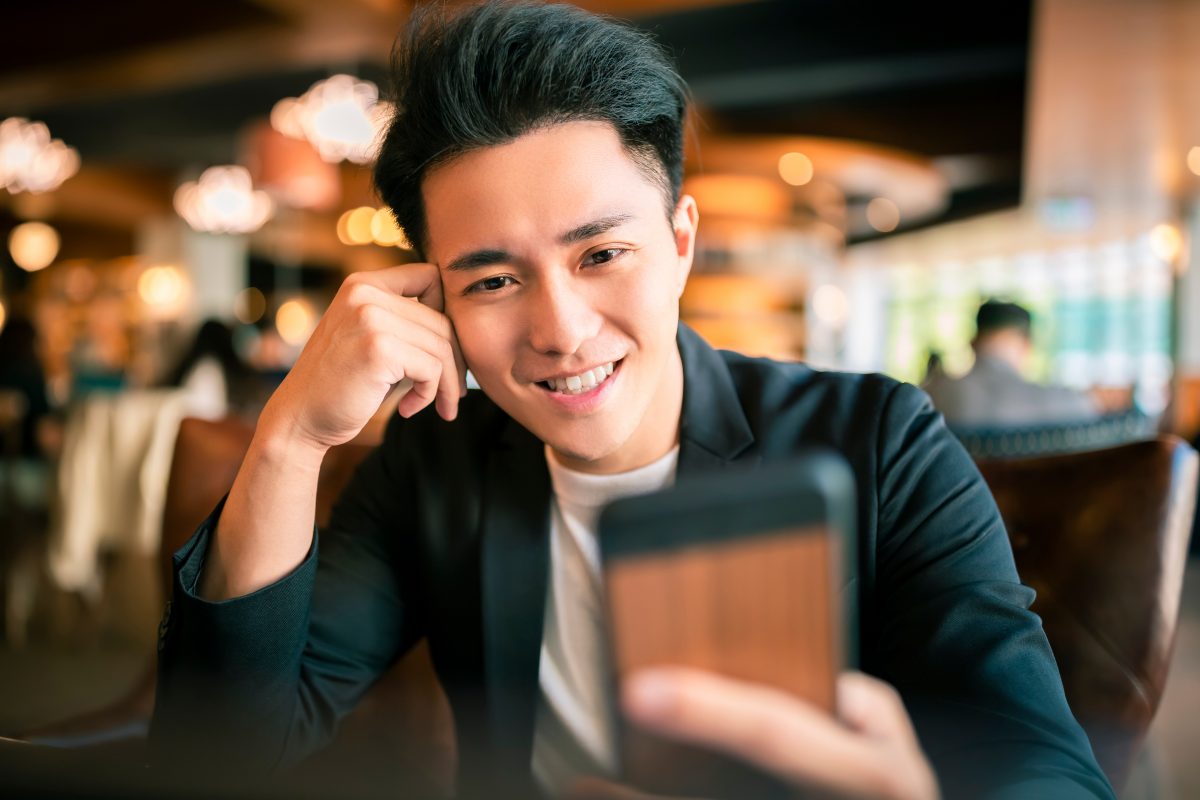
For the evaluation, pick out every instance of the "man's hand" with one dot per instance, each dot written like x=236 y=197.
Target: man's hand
x=383 y=329
x=872 y=752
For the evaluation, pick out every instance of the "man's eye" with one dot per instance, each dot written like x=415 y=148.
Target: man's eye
x=493 y=284
x=606 y=255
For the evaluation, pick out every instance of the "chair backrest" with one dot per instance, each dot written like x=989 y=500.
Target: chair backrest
x=1030 y=441
x=1102 y=537
x=207 y=456
x=206 y=460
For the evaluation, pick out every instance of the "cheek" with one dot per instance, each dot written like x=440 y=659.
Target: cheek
x=484 y=338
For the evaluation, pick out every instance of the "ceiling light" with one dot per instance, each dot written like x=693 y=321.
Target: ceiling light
x=223 y=201
x=341 y=116
x=30 y=161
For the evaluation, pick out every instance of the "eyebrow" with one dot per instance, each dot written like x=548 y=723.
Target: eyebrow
x=594 y=228
x=487 y=257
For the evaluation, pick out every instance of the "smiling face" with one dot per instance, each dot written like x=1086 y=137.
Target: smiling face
x=562 y=276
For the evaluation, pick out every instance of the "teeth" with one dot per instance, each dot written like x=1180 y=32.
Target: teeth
x=584 y=381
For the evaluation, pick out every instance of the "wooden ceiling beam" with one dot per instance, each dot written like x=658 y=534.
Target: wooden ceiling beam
x=211 y=60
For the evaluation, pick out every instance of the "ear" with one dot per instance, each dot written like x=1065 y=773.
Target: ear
x=685 y=222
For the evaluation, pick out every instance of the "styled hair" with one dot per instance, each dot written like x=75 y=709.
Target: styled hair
x=995 y=315
x=498 y=70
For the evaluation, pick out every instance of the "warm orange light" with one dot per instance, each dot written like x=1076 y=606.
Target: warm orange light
x=295 y=321
x=745 y=196
x=385 y=231
x=3 y=315
x=1166 y=241
x=358 y=225
x=33 y=245
x=1193 y=160
x=163 y=289
x=249 y=306
x=883 y=215
x=795 y=168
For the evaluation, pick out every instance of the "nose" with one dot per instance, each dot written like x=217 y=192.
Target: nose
x=561 y=316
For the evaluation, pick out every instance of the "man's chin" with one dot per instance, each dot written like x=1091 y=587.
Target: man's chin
x=574 y=451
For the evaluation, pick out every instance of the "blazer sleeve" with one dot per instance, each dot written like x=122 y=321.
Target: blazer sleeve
x=956 y=635
x=260 y=681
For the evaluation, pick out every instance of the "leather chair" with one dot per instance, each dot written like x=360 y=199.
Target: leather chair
x=1102 y=537
x=402 y=726
x=1029 y=441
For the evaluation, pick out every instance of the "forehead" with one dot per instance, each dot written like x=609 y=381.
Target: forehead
x=533 y=188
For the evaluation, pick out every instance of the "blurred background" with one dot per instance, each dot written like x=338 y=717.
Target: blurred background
x=183 y=188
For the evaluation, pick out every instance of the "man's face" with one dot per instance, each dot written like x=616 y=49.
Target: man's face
x=557 y=261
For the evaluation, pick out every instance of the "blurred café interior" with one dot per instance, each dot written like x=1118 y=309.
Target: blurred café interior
x=183 y=189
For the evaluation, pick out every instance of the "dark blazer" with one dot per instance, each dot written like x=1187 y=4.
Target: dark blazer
x=443 y=533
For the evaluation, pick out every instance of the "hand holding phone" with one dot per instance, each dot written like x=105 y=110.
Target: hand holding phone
x=738 y=575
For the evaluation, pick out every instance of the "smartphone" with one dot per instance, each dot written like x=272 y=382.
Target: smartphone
x=740 y=573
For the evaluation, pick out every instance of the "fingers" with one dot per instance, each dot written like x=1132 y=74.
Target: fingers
x=377 y=310
x=763 y=726
x=874 y=708
x=420 y=367
x=422 y=281
x=379 y=288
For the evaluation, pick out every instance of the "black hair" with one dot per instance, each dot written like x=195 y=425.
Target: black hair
x=499 y=70
x=995 y=315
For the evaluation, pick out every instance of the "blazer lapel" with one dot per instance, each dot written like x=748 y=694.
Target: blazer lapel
x=714 y=431
x=514 y=573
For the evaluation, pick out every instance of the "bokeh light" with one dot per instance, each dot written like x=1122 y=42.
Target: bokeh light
x=30 y=161
x=33 y=245
x=295 y=321
x=358 y=225
x=249 y=305
x=1166 y=241
x=223 y=201
x=830 y=305
x=163 y=289
x=341 y=116
x=883 y=215
x=795 y=168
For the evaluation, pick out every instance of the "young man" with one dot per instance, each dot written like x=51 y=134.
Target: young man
x=535 y=162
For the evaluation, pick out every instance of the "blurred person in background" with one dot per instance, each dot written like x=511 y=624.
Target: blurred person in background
x=995 y=393
x=21 y=373
x=536 y=166
x=213 y=375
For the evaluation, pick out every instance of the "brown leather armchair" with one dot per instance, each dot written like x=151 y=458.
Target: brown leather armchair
x=403 y=723
x=1102 y=537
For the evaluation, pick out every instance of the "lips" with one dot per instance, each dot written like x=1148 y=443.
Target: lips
x=582 y=382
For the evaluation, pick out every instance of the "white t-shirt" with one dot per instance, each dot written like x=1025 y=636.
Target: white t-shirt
x=572 y=735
